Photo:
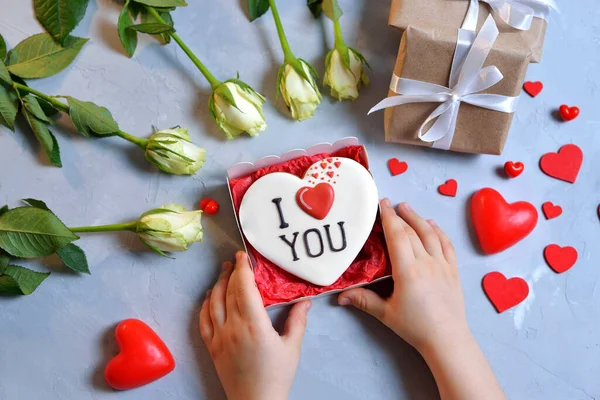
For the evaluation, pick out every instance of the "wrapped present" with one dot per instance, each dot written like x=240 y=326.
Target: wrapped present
x=528 y=18
x=455 y=90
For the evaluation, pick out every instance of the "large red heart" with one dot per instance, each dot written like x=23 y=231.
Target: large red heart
x=500 y=225
x=316 y=201
x=504 y=293
x=396 y=167
x=560 y=259
x=551 y=211
x=565 y=164
x=533 y=88
x=449 y=188
x=144 y=357
x=568 y=113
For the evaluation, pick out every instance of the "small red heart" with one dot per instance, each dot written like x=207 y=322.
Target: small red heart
x=551 y=211
x=330 y=160
x=144 y=357
x=330 y=173
x=316 y=201
x=396 y=167
x=560 y=259
x=315 y=176
x=568 y=113
x=500 y=225
x=337 y=164
x=504 y=293
x=449 y=188
x=514 y=169
x=323 y=165
x=564 y=165
x=533 y=88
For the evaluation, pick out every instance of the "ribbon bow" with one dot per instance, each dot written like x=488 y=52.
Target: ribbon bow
x=466 y=80
x=517 y=13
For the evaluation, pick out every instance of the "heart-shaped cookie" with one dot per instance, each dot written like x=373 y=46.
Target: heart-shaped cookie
x=560 y=259
x=533 y=88
x=397 y=167
x=449 y=188
x=551 y=211
x=312 y=227
x=504 y=293
x=500 y=225
x=565 y=164
x=144 y=357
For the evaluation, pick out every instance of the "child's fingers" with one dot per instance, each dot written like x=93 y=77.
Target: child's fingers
x=295 y=325
x=398 y=242
x=206 y=326
x=427 y=236
x=366 y=300
x=243 y=297
x=218 y=312
x=447 y=247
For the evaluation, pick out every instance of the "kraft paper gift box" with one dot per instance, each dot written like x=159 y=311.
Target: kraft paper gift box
x=451 y=13
x=426 y=54
x=278 y=287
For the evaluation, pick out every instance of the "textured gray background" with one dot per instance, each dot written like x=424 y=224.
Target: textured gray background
x=55 y=343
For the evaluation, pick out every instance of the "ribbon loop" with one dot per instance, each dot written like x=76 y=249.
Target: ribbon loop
x=518 y=14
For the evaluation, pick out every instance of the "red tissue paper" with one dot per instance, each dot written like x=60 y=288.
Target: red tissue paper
x=278 y=286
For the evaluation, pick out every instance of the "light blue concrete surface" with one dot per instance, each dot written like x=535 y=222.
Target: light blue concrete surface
x=55 y=343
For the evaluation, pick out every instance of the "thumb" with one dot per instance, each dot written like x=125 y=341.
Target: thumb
x=365 y=300
x=296 y=322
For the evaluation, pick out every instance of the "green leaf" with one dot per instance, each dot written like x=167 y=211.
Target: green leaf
x=74 y=258
x=32 y=105
x=39 y=56
x=152 y=28
x=4 y=260
x=148 y=18
x=49 y=110
x=91 y=119
x=30 y=232
x=9 y=106
x=43 y=135
x=37 y=204
x=332 y=9
x=256 y=8
x=19 y=280
x=129 y=38
x=2 y=48
x=316 y=7
x=3 y=209
x=60 y=17
x=162 y=3
x=5 y=75
x=136 y=9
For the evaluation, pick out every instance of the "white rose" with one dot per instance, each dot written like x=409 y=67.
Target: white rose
x=345 y=77
x=299 y=90
x=170 y=228
x=172 y=151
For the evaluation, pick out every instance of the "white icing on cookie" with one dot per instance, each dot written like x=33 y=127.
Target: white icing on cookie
x=312 y=227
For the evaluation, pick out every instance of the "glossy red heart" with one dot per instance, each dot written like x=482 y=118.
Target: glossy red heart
x=144 y=357
x=551 y=211
x=504 y=293
x=396 y=167
x=449 y=188
x=560 y=259
x=565 y=164
x=568 y=113
x=316 y=201
x=533 y=88
x=500 y=225
x=513 y=169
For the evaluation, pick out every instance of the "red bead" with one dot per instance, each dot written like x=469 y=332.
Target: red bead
x=211 y=207
x=204 y=202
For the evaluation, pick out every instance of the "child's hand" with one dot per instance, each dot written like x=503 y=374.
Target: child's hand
x=427 y=306
x=252 y=360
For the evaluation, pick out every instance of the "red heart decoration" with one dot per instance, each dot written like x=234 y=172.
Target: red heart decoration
x=514 y=169
x=504 y=293
x=564 y=165
x=560 y=259
x=315 y=176
x=316 y=201
x=337 y=164
x=396 y=167
x=323 y=165
x=550 y=210
x=449 y=188
x=330 y=174
x=568 y=113
x=500 y=225
x=144 y=357
x=533 y=88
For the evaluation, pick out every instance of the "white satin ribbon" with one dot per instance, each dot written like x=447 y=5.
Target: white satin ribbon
x=517 y=13
x=470 y=78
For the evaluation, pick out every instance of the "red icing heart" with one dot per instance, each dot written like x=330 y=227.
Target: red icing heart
x=316 y=201
x=568 y=113
x=315 y=176
x=396 y=167
x=533 y=88
x=564 y=165
x=449 y=188
x=560 y=259
x=504 y=293
x=323 y=165
x=144 y=357
x=550 y=210
x=330 y=160
x=500 y=225
x=337 y=164
x=514 y=169
x=330 y=173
